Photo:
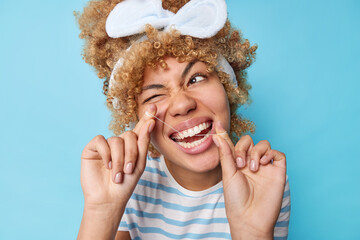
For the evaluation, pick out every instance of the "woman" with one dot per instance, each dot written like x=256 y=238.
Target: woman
x=175 y=75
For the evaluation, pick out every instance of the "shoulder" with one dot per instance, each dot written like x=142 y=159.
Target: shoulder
x=122 y=235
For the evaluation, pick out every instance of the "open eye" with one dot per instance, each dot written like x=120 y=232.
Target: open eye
x=197 y=78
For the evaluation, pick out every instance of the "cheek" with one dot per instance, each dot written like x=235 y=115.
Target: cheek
x=218 y=103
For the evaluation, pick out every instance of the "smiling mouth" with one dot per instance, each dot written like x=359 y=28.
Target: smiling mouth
x=194 y=136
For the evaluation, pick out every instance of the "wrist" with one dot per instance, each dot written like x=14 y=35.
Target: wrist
x=104 y=212
x=100 y=221
x=247 y=232
x=103 y=207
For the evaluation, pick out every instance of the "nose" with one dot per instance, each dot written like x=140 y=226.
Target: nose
x=181 y=104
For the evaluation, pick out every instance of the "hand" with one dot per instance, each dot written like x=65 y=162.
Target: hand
x=110 y=169
x=253 y=187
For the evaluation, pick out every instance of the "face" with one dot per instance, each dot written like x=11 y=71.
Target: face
x=190 y=100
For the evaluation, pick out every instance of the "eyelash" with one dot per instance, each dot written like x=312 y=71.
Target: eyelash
x=197 y=75
x=192 y=78
x=154 y=96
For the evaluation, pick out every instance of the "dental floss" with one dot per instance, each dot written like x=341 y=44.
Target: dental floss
x=150 y=115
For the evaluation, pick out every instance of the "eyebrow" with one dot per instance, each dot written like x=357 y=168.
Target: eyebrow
x=187 y=68
x=161 y=86
x=153 y=86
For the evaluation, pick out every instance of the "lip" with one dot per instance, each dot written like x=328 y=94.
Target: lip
x=188 y=124
x=199 y=148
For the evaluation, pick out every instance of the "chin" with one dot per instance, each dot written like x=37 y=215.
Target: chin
x=205 y=163
x=200 y=163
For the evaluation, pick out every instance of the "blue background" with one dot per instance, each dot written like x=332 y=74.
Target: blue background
x=306 y=102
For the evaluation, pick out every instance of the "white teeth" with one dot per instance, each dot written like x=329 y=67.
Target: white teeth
x=193 y=144
x=197 y=129
x=192 y=131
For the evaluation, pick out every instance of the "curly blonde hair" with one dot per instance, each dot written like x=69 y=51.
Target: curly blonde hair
x=102 y=52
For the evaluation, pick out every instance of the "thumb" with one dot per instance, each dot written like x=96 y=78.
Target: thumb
x=143 y=129
x=148 y=114
x=226 y=156
x=143 y=142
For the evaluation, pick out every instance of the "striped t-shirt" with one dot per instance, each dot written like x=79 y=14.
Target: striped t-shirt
x=160 y=208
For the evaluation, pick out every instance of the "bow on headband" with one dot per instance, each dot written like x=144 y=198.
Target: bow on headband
x=197 y=18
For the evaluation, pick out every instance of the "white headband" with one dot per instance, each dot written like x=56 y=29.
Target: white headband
x=197 y=18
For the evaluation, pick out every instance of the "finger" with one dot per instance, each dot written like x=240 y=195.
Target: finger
x=221 y=132
x=228 y=166
x=148 y=114
x=267 y=157
x=143 y=143
x=226 y=151
x=117 y=157
x=131 y=151
x=242 y=148
x=97 y=149
x=257 y=152
x=279 y=158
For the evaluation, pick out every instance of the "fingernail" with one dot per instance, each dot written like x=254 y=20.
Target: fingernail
x=252 y=165
x=240 y=162
x=216 y=140
x=129 y=168
x=118 y=177
x=151 y=109
x=218 y=126
x=262 y=160
x=110 y=165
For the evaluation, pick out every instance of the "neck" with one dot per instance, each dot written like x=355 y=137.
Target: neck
x=194 y=181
